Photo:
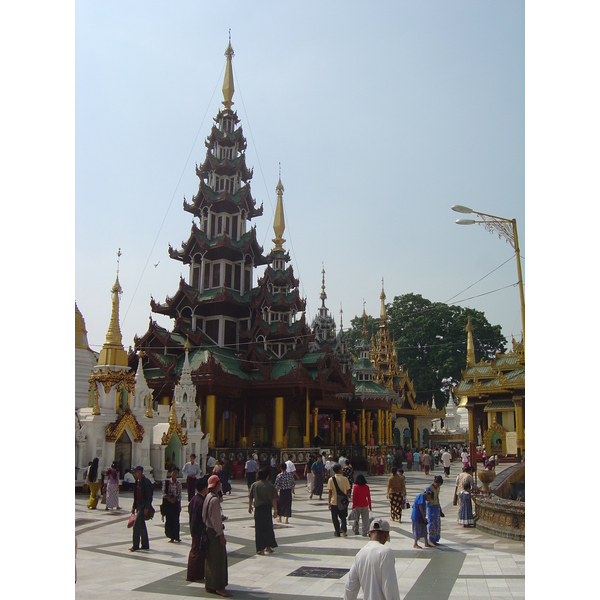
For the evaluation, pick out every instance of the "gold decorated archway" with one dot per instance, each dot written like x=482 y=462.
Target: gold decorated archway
x=125 y=419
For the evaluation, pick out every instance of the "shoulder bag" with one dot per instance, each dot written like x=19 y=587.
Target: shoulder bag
x=342 y=499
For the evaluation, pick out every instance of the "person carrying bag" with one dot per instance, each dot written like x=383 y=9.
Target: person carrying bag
x=340 y=486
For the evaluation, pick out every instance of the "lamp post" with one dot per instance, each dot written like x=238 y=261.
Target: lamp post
x=507 y=229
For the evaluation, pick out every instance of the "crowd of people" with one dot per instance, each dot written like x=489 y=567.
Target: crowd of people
x=271 y=490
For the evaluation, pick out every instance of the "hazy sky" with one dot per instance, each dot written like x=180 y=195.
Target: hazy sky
x=381 y=115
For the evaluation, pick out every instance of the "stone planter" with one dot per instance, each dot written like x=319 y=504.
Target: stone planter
x=505 y=518
x=486 y=477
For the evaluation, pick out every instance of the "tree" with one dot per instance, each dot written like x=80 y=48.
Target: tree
x=356 y=330
x=431 y=342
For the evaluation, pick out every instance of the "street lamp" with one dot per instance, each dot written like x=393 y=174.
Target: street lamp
x=507 y=229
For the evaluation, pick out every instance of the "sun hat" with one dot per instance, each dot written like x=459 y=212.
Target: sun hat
x=379 y=525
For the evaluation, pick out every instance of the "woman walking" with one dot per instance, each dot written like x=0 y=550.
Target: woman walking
x=264 y=496
x=93 y=481
x=171 y=506
x=348 y=473
x=197 y=558
x=285 y=484
x=112 y=487
x=434 y=512
x=396 y=492
x=361 y=503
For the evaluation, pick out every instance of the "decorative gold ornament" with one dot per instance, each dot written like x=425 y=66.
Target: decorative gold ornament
x=125 y=419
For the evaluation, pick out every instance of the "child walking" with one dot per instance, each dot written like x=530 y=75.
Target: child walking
x=465 y=516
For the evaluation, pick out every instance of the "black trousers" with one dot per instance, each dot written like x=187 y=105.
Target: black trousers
x=250 y=478
x=336 y=516
x=140 y=531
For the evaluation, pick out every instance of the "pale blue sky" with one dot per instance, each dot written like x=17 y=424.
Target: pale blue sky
x=381 y=119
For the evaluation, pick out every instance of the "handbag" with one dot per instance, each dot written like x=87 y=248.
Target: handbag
x=455 y=499
x=342 y=499
x=352 y=516
x=204 y=540
x=150 y=514
x=131 y=521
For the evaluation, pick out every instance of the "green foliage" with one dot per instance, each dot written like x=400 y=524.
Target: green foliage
x=431 y=342
x=355 y=333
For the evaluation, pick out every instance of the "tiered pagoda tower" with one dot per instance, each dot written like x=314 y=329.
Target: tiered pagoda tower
x=256 y=382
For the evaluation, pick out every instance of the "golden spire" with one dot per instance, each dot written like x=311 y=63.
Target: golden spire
x=383 y=315
x=470 y=344
x=279 y=220
x=228 y=88
x=81 y=340
x=112 y=352
x=323 y=295
x=173 y=415
x=341 y=318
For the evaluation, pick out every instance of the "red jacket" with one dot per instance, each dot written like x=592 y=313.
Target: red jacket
x=361 y=496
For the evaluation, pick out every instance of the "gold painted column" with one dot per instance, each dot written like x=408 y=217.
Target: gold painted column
x=343 y=427
x=363 y=428
x=380 y=440
x=315 y=417
x=210 y=419
x=369 y=427
x=307 y=427
x=519 y=426
x=278 y=437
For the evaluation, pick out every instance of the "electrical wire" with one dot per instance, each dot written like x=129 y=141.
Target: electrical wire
x=173 y=196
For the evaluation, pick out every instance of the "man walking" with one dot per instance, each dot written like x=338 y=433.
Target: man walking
x=251 y=469
x=192 y=470
x=374 y=567
x=446 y=459
x=142 y=502
x=338 y=487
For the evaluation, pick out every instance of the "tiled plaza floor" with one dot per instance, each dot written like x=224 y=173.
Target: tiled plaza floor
x=467 y=565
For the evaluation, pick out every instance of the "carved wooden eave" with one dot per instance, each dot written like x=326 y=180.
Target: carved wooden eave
x=125 y=419
x=109 y=378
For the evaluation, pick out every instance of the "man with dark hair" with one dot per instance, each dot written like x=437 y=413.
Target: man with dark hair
x=196 y=558
x=251 y=468
x=264 y=497
x=142 y=503
x=191 y=470
x=338 y=486
x=374 y=567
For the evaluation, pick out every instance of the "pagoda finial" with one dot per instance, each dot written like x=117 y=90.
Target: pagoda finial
x=323 y=295
x=228 y=87
x=470 y=344
x=112 y=352
x=383 y=314
x=279 y=220
x=364 y=318
x=341 y=318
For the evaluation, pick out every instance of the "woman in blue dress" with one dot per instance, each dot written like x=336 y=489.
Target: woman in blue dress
x=434 y=512
x=465 y=516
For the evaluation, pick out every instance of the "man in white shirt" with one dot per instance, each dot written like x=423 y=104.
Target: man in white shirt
x=374 y=567
x=211 y=461
x=191 y=470
x=446 y=459
x=290 y=467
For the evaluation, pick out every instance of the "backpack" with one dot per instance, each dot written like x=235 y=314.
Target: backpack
x=342 y=499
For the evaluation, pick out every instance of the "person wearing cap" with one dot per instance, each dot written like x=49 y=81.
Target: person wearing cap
x=374 y=567
x=142 y=502
x=191 y=470
x=171 y=505
x=216 y=577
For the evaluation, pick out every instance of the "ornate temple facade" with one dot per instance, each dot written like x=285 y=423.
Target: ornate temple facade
x=413 y=422
x=493 y=394
x=118 y=422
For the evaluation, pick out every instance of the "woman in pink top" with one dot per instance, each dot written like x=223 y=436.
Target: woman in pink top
x=361 y=503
